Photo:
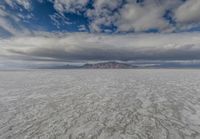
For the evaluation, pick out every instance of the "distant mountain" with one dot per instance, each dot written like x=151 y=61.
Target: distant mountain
x=120 y=65
x=102 y=65
x=108 y=65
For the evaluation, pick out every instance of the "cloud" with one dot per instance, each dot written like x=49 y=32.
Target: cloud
x=84 y=46
x=109 y=15
x=188 y=12
x=26 y=4
x=82 y=28
x=119 y=15
x=140 y=18
x=11 y=24
x=103 y=14
x=74 y=6
x=59 y=20
x=126 y=15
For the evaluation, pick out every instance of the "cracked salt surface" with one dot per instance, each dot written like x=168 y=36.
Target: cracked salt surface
x=100 y=104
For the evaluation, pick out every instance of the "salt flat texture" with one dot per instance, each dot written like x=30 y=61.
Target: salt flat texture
x=100 y=104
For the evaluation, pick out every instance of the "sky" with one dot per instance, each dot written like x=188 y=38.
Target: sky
x=57 y=32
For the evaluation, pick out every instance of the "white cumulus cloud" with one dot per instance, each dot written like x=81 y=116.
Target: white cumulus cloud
x=189 y=12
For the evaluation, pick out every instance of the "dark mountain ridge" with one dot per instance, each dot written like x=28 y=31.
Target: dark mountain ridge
x=108 y=65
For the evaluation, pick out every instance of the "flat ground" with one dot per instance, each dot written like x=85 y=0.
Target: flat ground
x=100 y=104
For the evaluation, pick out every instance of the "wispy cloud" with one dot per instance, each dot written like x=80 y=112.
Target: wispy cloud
x=26 y=4
x=10 y=23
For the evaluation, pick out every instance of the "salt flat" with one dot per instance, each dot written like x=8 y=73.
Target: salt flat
x=100 y=104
